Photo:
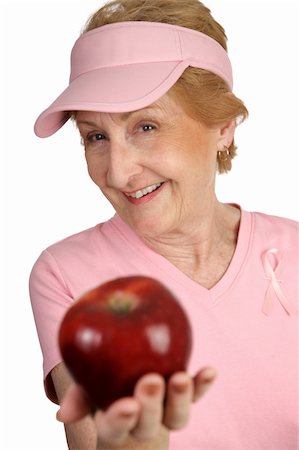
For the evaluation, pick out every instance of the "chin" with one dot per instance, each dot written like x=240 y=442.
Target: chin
x=146 y=226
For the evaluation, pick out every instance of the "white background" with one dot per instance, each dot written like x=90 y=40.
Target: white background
x=47 y=195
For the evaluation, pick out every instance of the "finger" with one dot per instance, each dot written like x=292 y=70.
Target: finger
x=74 y=405
x=149 y=391
x=203 y=381
x=114 y=425
x=179 y=398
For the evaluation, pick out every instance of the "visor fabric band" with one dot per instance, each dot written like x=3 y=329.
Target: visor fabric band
x=126 y=66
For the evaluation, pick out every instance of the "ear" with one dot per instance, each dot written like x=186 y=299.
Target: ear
x=226 y=132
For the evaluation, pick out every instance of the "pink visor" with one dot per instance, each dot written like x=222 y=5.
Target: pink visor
x=126 y=66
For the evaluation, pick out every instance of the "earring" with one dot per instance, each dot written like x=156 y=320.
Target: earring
x=223 y=155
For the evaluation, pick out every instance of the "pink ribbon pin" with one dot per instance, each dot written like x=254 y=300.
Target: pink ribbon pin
x=271 y=261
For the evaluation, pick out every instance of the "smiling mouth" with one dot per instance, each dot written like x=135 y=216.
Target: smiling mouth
x=143 y=192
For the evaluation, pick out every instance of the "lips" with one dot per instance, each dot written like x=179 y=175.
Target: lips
x=144 y=195
x=145 y=191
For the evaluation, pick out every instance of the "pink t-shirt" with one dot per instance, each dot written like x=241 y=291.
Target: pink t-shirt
x=245 y=326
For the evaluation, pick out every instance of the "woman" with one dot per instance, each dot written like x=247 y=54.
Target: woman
x=151 y=94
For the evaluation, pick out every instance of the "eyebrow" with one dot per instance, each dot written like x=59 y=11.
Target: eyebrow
x=123 y=116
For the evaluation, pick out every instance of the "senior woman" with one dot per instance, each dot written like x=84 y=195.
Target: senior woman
x=151 y=94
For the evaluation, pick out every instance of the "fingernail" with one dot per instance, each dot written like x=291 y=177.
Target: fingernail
x=209 y=378
x=128 y=413
x=180 y=388
x=152 y=389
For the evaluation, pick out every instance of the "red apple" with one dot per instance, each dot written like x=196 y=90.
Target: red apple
x=121 y=330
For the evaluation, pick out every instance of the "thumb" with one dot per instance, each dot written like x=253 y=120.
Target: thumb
x=203 y=381
x=74 y=405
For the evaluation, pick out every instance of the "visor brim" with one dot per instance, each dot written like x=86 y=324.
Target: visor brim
x=112 y=90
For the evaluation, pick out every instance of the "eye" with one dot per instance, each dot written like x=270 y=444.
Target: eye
x=148 y=127
x=95 y=137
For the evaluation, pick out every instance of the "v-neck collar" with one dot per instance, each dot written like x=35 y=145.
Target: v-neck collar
x=163 y=265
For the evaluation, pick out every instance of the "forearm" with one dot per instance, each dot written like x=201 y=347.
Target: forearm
x=160 y=443
x=81 y=435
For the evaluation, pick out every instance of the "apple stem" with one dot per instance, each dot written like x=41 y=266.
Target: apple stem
x=121 y=303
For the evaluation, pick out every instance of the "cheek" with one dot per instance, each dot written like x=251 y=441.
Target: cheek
x=191 y=153
x=201 y=154
x=96 y=169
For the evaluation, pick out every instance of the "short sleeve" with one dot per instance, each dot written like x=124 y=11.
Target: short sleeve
x=50 y=299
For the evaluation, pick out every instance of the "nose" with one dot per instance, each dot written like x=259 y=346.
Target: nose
x=124 y=166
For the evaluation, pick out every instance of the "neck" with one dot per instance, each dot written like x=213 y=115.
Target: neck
x=203 y=248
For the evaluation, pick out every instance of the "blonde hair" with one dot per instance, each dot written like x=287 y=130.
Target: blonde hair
x=205 y=94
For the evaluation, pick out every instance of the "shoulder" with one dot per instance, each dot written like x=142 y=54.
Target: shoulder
x=64 y=253
x=275 y=221
x=276 y=234
x=80 y=261
x=275 y=228
x=82 y=239
x=78 y=245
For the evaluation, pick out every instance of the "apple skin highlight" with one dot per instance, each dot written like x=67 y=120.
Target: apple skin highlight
x=121 y=330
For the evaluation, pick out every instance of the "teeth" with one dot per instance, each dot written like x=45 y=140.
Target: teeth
x=144 y=191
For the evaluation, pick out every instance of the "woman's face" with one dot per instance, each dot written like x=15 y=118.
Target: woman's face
x=156 y=166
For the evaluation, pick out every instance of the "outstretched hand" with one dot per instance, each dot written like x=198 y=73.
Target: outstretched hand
x=141 y=415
